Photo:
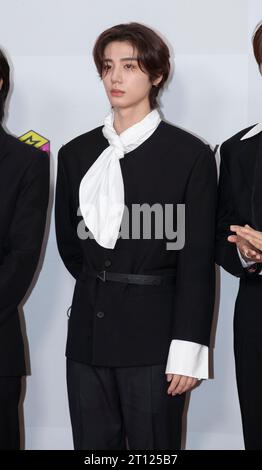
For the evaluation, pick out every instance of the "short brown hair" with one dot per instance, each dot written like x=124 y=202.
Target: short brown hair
x=257 y=45
x=4 y=75
x=153 y=53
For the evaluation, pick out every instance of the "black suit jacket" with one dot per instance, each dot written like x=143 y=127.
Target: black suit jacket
x=239 y=196
x=117 y=324
x=24 y=190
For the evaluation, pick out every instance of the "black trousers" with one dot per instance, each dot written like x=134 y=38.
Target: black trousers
x=123 y=408
x=248 y=358
x=10 y=389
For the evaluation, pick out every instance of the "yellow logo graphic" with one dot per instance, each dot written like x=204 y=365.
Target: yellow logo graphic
x=37 y=140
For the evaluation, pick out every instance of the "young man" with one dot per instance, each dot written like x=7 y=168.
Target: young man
x=24 y=190
x=240 y=204
x=142 y=310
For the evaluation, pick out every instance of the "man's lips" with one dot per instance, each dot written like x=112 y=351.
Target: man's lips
x=116 y=92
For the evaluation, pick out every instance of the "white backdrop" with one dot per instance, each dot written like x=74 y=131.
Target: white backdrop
x=216 y=90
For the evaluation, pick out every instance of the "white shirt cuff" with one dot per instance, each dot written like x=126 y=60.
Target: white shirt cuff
x=188 y=358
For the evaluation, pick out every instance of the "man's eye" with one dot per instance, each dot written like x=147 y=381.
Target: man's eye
x=106 y=67
x=129 y=66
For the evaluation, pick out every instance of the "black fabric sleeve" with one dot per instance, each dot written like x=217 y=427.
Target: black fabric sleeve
x=195 y=286
x=226 y=253
x=66 y=233
x=24 y=241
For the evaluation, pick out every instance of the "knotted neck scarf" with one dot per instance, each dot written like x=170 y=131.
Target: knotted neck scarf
x=101 y=191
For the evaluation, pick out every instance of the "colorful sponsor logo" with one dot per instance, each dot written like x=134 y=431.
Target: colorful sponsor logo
x=37 y=140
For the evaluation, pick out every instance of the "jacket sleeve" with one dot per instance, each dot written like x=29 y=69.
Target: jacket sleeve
x=66 y=231
x=226 y=253
x=195 y=285
x=25 y=235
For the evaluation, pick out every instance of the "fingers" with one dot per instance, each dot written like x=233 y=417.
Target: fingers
x=253 y=256
x=232 y=238
x=248 y=253
x=246 y=232
x=174 y=382
x=241 y=243
x=250 y=246
x=251 y=230
x=255 y=241
x=235 y=228
x=180 y=384
x=254 y=246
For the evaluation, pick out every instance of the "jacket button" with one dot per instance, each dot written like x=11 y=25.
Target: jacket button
x=100 y=315
x=107 y=263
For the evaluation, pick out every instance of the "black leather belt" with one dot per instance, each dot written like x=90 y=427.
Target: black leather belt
x=144 y=279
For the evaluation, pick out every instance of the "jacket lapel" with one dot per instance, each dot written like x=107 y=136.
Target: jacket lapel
x=247 y=161
x=243 y=177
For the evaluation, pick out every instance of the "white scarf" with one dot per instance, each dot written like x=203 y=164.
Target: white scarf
x=101 y=191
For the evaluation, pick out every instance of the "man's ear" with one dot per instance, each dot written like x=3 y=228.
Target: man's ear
x=1 y=83
x=157 y=80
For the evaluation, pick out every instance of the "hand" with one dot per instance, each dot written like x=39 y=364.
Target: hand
x=180 y=383
x=247 y=248
x=254 y=237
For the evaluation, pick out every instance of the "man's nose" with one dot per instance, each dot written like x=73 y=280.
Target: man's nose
x=116 y=75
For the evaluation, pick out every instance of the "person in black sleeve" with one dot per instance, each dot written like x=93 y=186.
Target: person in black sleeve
x=24 y=193
x=142 y=307
x=238 y=251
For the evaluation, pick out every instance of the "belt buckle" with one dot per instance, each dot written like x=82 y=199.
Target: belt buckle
x=102 y=276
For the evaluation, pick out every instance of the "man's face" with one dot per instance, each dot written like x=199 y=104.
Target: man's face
x=125 y=83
